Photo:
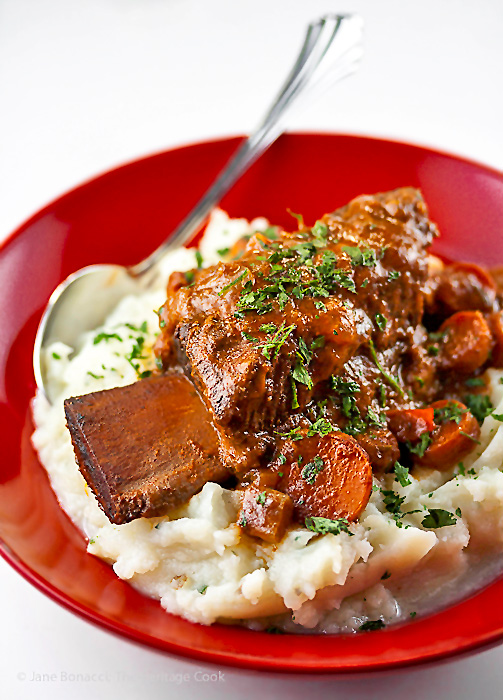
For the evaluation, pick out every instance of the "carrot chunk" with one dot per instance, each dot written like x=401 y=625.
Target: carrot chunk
x=465 y=286
x=329 y=476
x=467 y=342
x=455 y=437
x=495 y=321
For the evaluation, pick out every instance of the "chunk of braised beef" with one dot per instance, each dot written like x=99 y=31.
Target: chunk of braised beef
x=382 y=448
x=265 y=513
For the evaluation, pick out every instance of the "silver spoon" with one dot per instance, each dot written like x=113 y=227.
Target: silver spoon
x=82 y=301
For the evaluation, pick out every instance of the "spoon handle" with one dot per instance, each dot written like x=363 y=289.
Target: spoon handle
x=319 y=64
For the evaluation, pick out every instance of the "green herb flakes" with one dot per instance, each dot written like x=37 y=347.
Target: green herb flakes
x=261 y=498
x=420 y=447
x=479 y=405
x=360 y=256
x=231 y=284
x=106 y=336
x=380 y=321
x=451 y=412
x=325 y=526
x=372 y=626
x=475 y=381
x=391 y=380
x=438 y=518
x=402 y=475
x=312 y=469
x=322 y=427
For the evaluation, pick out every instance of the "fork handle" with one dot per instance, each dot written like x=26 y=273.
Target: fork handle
x=317 y=60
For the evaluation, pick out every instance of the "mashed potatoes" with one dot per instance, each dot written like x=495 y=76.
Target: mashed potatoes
x=198 y=563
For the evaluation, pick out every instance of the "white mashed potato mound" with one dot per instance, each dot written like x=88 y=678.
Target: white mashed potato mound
x=200 y=565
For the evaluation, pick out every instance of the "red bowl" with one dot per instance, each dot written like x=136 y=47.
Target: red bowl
x=121 y=217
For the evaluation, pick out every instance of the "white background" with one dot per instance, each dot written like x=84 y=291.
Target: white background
x=88 y=84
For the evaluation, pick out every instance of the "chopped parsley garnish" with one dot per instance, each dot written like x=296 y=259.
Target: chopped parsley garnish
x=345 y=388
x=312 y=469
x=420 y=448
x=139 y=329
x=320 y=230
x=458 y=512
x=462 y=432
x=385 y=576
x=438 y=518
x=301 y=375
x=322 y=426
x=325 y=526
x=231 y=284
x=270 y=232
x=202 y=590
x=249 y=336
x=136 y=354
x=451 y=412
x=294 y=434
x=277 y=341
x=360 y=256
x=394 y=382
x=268 y=328
x=479 y=405
x=375 y=419
x=475 y=381
x=318 y=342
x=222 y=252
x=199 y=259
x=381 y=321
x=498 y=416
x=299 y=217
x=393 y=275
x=261 y=498
x=372 y=625
x=95 y=376
x=402 y=474
x=56 y=356
x=106 y=336
x=393 y=502
x=433 y=350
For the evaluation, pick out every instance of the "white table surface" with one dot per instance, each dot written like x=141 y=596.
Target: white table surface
x=88 y=84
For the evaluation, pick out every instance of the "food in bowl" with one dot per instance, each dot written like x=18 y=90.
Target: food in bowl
x=306 y=436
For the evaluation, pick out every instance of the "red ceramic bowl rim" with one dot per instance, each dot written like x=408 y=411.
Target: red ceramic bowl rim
x=480 y=642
